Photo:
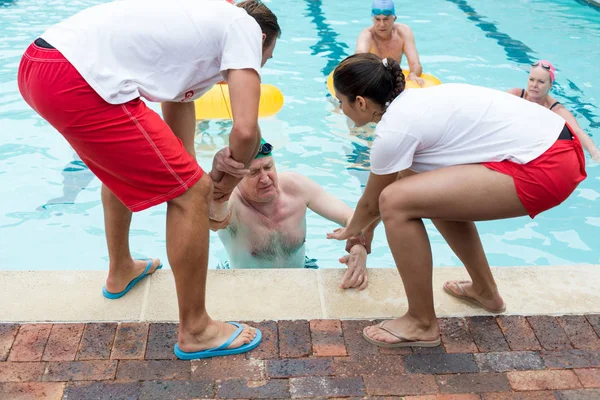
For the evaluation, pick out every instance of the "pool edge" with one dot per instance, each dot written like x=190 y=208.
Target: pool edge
x=255 y=295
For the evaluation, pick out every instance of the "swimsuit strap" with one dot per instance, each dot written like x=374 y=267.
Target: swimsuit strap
x=555 y=104
x=522 y=93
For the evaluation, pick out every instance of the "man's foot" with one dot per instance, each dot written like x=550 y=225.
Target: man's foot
x=214 y=336
x=403 y=332
x=464 y=290
x=119 y=278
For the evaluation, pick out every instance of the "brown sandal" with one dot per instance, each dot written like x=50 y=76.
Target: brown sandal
x=468 y=298
x=403 y=341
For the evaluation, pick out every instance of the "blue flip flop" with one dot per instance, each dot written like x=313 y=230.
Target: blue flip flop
x=131 y=284
x=221 y=350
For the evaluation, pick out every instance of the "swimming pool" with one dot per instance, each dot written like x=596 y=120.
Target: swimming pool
x=51 y=215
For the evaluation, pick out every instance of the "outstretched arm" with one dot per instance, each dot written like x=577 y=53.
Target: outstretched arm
x=583 y=137
x=367 y=209
x=412 y=56
x=321 y=202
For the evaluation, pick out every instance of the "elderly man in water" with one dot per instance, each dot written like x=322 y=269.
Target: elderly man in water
x=263 y=223
x=389 y=39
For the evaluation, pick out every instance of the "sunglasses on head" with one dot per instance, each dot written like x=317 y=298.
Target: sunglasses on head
x=543 y=65
x=379 y=11
x=265 y=149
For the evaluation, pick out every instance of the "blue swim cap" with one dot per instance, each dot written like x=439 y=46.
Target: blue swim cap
x=383 y=7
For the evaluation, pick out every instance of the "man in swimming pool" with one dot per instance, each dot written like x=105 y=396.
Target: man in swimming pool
x=263 y=224
x=386 y=38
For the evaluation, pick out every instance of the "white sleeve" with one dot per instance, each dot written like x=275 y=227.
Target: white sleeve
x=392 y=152
x=243 y=46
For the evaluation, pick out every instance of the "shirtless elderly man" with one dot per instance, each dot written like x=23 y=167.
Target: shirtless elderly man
x=263 y=224
x=388 y=39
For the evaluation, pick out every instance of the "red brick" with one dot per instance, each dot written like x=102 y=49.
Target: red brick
x=327 y=338
x=97 y=341
x=543 y=380
x=130 y=341
x=364 y=365
x=166 y=390
x=487 y=334
x=473 y=383
x=220 y=367
x=589 y=377
x=269 y=346
x=518 y=333
x=294 y=339
x=30 y=342
x=400 y=385
x=7 y=337
x=456 y=336
x=21 y=371
x=61 y=371
x=444 y=397
x=63 y=342
x=321 y=386
x=395 y=351
x=296 y=367
x=32 y=390
x=134 y=370
x=594 y=320
x=353 y=336
x=543 y=395
x=549 y=332
x=161 y=339
x=580 y=332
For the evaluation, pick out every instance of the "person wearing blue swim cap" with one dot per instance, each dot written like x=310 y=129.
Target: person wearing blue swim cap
x=389 y=39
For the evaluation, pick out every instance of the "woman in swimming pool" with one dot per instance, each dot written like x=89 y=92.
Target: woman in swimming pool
x=475 y=154
x=541 y=79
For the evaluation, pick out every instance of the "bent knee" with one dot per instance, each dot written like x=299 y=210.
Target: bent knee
x=200 y=191
x=392 y=201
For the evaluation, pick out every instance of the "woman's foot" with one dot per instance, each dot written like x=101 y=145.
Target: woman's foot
x=464 y=290
x=403 y=332
x=119 y=277
x=214 y=335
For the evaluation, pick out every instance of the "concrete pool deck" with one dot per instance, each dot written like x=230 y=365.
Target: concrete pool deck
x=255 y=295
x=60 y=339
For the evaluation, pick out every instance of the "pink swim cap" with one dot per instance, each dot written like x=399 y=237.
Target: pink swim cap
x=547 y=65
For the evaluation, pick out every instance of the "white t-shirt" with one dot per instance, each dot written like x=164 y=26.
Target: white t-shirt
x=172 y=50
x=455 y=123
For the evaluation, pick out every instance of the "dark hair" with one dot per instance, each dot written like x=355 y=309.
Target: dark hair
x=367 y=75
x=264 y=17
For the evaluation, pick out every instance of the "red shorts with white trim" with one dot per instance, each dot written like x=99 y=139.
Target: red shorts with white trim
x=127 y=146
x=548 y=180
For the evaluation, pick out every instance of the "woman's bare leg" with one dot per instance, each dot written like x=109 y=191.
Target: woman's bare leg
x=463 y=239
x=461 y=193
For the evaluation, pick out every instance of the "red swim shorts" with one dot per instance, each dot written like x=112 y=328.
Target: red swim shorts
x=548 y=180
x=127 y=146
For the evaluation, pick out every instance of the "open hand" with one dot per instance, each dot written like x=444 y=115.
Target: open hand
x=340 y=234
x=356 y=275
x=413 y=77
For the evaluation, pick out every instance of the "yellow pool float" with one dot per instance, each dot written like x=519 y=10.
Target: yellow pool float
x=215 y=103
x=430 y=80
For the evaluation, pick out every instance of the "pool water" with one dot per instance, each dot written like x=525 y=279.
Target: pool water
x=50 y=209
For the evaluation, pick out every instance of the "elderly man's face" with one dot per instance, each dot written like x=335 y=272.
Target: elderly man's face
x=260 y=184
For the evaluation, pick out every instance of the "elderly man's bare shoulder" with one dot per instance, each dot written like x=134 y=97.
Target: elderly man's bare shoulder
x=403 y=29
x=295 y=184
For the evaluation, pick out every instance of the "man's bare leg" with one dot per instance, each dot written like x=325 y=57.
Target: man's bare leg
x=122 y=268
x=187 y=249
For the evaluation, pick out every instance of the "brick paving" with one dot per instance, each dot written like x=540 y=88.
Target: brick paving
x=481 y=358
